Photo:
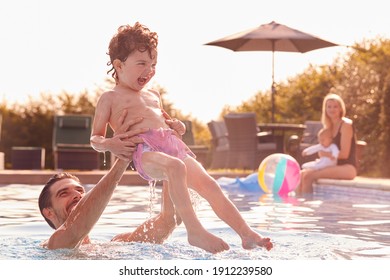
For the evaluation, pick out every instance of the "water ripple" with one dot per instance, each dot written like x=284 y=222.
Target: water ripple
x=334 y=223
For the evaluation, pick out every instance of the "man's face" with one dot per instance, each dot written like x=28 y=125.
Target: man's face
x=65 y=194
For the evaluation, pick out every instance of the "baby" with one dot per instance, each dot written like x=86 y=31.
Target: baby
x=325 y=140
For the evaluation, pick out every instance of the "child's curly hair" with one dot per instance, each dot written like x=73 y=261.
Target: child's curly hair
x=128 y=39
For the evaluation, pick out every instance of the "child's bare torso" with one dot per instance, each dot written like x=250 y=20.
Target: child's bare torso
x=145 y=104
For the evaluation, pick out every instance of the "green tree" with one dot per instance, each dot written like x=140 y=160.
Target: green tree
x=365 y=89
x=361 y=78
x=31 y=124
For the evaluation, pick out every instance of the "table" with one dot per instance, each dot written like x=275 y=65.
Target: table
x=281 y=127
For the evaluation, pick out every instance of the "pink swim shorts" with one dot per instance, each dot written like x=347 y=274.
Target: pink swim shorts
x=160 y=140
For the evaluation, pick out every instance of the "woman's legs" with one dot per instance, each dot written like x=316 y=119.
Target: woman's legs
x=306 y=184
x=308 y=176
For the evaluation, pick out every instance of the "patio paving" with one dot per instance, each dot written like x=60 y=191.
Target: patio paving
x=39 y=177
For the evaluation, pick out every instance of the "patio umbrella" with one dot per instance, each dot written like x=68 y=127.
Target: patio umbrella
x=272 y=37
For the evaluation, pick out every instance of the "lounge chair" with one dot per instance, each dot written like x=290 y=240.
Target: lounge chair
x=247 y=146
x=71 y=143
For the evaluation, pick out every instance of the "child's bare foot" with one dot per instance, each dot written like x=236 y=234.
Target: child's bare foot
x=208 y=242
x=252 y=240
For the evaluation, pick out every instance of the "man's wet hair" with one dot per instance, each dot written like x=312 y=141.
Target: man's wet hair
x=44 y=200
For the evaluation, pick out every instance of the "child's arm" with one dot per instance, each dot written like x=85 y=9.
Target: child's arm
x=311 y=150
x=178 y=126
x=99 y=128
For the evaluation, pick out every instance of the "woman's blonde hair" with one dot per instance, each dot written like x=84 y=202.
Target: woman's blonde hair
x=326 y=121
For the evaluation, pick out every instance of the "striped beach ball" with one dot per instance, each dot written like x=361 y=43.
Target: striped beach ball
x=279 y=174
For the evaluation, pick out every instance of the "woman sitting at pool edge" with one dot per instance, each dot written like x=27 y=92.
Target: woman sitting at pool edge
x=333 y=117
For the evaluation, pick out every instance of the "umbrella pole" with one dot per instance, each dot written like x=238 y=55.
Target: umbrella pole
x=273 y=89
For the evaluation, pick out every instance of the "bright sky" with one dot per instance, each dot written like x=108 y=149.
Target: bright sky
x=51 y=46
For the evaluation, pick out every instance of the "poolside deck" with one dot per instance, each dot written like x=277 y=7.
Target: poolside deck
x=39 y=177
x=358 y=182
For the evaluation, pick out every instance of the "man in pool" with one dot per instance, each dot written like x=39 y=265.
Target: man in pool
x=72 y=212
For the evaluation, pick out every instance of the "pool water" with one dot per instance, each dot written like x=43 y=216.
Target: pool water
x=333 y=223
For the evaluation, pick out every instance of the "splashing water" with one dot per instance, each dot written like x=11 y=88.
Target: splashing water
x=152 y=196
x=104 y=159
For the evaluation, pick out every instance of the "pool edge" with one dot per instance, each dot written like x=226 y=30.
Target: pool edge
x=39 y=177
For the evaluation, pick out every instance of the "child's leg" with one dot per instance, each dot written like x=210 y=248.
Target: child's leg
x=208 y=188
x=308 y=165
x=168 y=210
x=156 y=229
x=161 y=166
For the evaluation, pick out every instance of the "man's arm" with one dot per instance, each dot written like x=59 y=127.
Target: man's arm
x=88 y=211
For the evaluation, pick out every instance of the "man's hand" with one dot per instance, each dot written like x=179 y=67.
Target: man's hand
x=125 y=140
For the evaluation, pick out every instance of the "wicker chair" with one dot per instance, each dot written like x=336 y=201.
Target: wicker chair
x=247 y=146
x=201 y=151
x=219 y=144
